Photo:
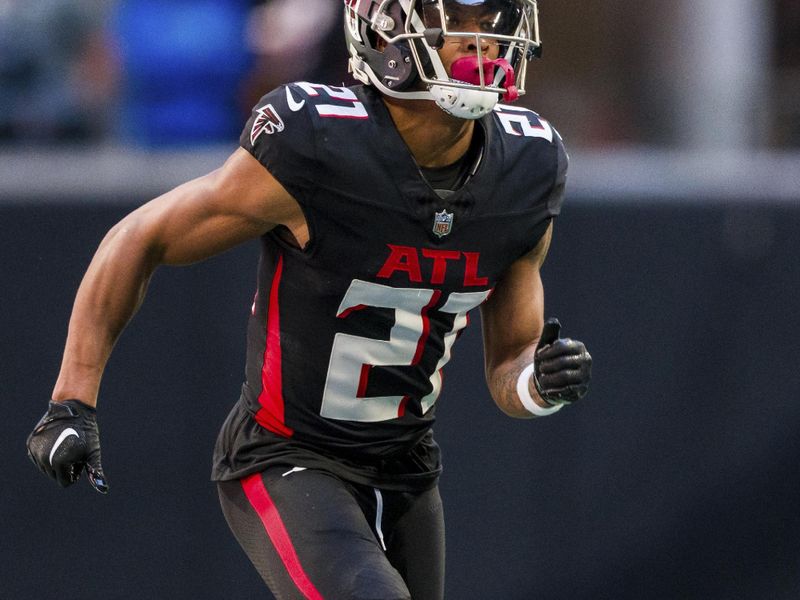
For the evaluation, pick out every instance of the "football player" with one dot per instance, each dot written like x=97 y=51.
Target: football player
x=386 y=212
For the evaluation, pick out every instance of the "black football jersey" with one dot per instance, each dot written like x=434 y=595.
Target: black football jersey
x=349 y=335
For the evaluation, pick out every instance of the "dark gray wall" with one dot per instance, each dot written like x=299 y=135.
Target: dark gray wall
x=677 y=478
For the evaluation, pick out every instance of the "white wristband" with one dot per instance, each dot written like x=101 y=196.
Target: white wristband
x=525 y=395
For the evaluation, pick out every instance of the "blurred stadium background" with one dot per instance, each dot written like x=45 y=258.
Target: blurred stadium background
x=676 y=260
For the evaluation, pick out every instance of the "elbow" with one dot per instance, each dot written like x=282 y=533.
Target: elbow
x=133 y=238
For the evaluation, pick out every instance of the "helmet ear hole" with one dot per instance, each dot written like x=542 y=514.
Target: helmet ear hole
x=373 y=39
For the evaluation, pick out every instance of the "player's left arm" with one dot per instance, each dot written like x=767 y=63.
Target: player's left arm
x=515 y=337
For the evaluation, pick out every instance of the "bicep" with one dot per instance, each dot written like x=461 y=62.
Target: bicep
x=208 y=215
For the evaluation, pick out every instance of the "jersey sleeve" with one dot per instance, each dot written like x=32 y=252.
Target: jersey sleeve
x=280 y=135
x=556 y=195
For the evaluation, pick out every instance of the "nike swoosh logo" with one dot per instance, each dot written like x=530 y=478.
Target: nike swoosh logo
x=61 y=438
x=294 y=105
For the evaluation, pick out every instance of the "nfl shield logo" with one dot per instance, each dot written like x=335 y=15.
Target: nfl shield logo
x=442 y=223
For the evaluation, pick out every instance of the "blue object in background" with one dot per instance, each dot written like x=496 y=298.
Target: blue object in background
x=183 y=62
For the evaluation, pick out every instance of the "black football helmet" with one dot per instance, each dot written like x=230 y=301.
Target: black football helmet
x=394 y=45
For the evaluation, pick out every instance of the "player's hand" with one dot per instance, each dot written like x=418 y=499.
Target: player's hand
x=66 y=441
x=562 y=367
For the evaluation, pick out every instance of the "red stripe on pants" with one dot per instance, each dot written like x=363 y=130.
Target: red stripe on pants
x=260 y=500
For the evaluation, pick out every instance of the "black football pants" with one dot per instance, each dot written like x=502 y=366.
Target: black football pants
x=312 y=536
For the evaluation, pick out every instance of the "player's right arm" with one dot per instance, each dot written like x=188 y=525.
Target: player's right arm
x=194 y=221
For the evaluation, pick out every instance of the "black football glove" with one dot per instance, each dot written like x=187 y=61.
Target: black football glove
x=562 y=367
x=66 y=441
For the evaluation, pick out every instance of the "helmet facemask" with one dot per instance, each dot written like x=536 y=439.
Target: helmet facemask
x=503 y=33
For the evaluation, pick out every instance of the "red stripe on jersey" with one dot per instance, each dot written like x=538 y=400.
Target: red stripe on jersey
x=271 y=413
x=260 y=500
x=401 y=410
x=362 y=381
x=423 y=339
x=426 y=328
x=346 y=312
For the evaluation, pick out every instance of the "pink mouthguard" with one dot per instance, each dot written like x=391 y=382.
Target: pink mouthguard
x=466 y=69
